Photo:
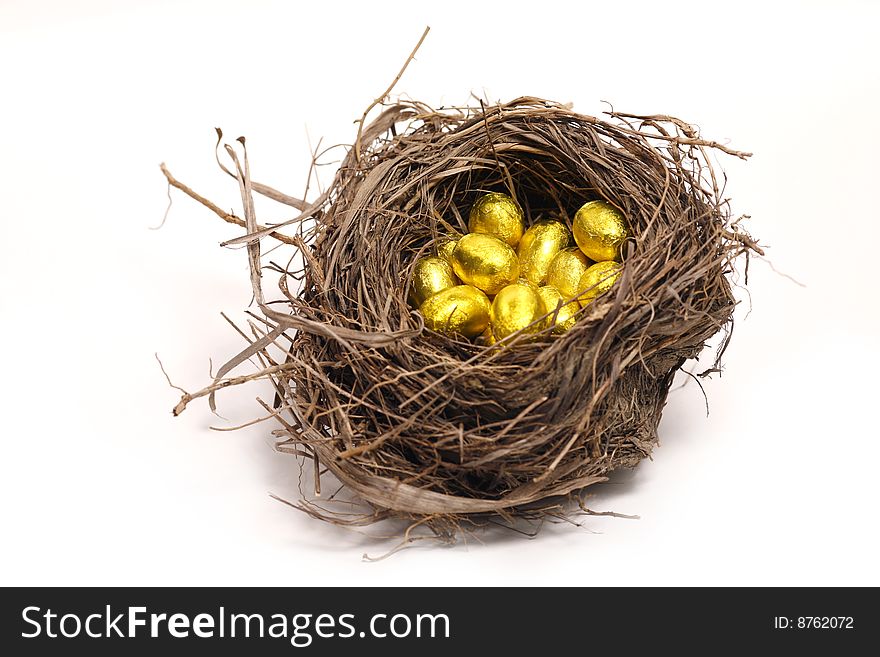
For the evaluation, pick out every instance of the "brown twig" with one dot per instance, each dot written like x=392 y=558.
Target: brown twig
x=384 y=95
x=225 y=216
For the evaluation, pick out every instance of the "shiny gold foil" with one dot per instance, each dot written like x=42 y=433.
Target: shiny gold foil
x=462 y=310
x=600 y=230
x=430 y=275
x=565 y=271
x=515 y=308
x=597 y=280
x=487 y=338
x=565 y=317
x=526 y=281
x=538 y=246
x=485 y=262
x=446 y=245
x=499 y=215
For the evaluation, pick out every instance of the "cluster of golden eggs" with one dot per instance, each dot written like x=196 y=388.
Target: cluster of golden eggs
x=501 y=278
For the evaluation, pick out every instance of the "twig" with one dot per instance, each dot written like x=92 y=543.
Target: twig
x=357 y=142
x=745 y=240
x=226 y=383
x=168 y=378
x=225 y=216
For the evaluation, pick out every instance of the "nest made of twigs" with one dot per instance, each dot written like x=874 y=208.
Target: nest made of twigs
x=439 y=429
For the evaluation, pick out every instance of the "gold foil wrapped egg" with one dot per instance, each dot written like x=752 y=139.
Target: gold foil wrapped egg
x=597 y=280
x=538 y=246
x=462 y=309
x=514 y=308
x=599 y=230
x=565 y=271
x=484 y=261
x=499 y=215
x=565 y=316
x=487 y=338
x=525 y=281
x=430 y=276
x=446 y=245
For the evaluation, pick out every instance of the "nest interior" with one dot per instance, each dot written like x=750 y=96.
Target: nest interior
x=438 y=429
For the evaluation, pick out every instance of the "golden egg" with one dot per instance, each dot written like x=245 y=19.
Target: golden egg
x=430 y=276
x=565 y=316
x=599 y=230
x=597 y=280
x=446 y=245
x=499 y=215
x=565 y=271
x=485 y=262
x=538 y=246
x=462 y=309
x=516 y=307
x=487 y=338
x=525 y=281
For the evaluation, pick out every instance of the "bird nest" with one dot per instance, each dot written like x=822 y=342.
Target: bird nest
x=438 y=429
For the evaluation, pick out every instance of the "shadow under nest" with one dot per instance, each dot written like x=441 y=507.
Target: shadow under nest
x=442 y=431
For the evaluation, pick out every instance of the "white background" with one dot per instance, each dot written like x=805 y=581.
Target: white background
x=100 y=485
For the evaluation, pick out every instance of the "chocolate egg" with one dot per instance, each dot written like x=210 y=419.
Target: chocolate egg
x=499 y=215
x=565 y=271
x=565 y=315
x=446 y=245
x=538 y=246
x=597 y=280
x=462 y=310
x=516 y=307
x=484 y=261
x=487 y=338
x=599 y=230
x=430 y=275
